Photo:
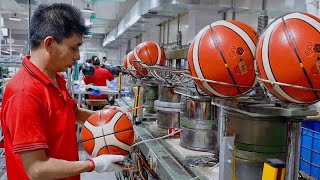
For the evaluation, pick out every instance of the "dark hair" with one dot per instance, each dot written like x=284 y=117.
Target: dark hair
x=90 y=61
x=57 y=20
x=104 y=57
x=96 y=61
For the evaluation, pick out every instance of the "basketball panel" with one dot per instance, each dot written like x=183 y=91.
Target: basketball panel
x=126 y=136
x=86 y=134
x=117 y=151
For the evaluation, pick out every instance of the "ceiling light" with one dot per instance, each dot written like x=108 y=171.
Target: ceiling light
x=6 y=52
x=87 y=22
x=88 y=35
x=87 y=9
x=14 y=18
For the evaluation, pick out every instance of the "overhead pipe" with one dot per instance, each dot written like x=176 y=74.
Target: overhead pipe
x=160 y=33
x=29 y=22
x=168 y=30
x=233 y=10
x=179 y=34
x=263 y=18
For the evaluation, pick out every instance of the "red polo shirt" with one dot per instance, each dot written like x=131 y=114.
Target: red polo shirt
x=36 y=114
x=99 y=79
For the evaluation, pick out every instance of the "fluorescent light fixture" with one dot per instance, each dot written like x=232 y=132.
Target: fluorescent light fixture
x=14 y=18
x=88 y=36
x=88 y=22
x=87 y=9
x=6 y=52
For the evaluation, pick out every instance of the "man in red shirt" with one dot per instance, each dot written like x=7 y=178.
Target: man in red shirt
x=98 y=78
x=38 y=114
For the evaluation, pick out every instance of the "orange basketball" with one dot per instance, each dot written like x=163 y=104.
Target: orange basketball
x=224 y=52
x=107 y=132
x=140 y=71
x=150 y=53
x=125 y=63
x=288 y=52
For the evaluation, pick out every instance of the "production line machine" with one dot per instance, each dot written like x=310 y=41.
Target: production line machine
x=216 y=119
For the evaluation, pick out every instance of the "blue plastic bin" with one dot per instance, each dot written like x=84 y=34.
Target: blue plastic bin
x=310 y=149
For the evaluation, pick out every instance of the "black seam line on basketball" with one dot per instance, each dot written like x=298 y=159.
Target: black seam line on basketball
x=215 y=40
x=242 y=38
x=243 y=41
x=88 y=130
x=298 y=56
x=198 y=55
x=107 y=135
x=272 y=70
x=105 y=142
x=149 y=54
x=121 y=132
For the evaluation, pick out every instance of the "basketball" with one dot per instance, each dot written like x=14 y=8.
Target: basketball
x=150 y=53
x=288 y=52
x=107 y=132
x=140 y=71
x=224 y=52
x=125 y=63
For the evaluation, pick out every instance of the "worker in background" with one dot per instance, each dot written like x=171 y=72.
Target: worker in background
x=98 y=78
x=104 y=62
x=38 y=114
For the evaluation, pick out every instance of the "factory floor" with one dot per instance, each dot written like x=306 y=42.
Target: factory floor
x=84 y=176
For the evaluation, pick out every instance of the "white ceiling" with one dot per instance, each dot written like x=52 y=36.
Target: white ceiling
x=107 y=15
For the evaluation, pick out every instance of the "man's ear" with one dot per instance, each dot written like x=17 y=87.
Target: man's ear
x=48 y=43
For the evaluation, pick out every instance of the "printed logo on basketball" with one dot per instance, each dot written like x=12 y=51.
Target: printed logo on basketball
x=233 y=52
x=309 y=47
x=314 y=71
x=318 y=65
x=240 y=51
x=243 y=67
x=316 y=48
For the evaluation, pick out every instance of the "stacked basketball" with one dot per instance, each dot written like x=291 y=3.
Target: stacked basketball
x=149 y=53
x=107 y=132
x=135 y=69
x=145 y=54
x=223 y=53
x=288 y=56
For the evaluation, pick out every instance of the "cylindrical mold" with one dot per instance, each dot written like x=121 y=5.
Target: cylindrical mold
x=199 y=128
x=256 y=139
x=165 y=118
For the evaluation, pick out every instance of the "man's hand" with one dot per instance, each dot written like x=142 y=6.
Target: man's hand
x=116 y=108
x=105 y=163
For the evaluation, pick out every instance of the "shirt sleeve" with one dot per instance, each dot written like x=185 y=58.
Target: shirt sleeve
x=109 y=76
x=87 y=79
x=26 y=120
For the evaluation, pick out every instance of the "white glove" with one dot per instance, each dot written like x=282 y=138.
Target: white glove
x=105 y=163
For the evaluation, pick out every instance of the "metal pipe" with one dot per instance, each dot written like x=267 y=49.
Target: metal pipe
x=29 y=22
x=293 y=151
x=233 y=11
x=264 y=4
x=10 y=43
x=168 y=30
x=178 y=26
x=160 y=33
x=163 y=32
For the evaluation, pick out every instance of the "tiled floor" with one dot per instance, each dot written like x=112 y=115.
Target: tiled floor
x=84 y=176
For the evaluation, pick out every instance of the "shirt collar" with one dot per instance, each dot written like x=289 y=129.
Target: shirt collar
x=35 y=72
